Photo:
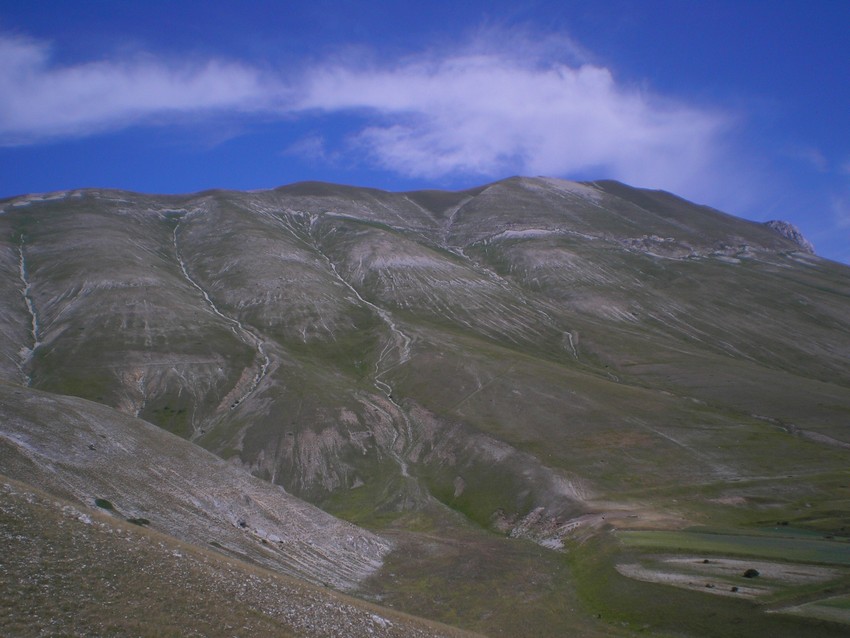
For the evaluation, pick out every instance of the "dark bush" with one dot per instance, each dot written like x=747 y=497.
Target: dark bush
x=104 y=504
x=139 y=521
x=751 y=573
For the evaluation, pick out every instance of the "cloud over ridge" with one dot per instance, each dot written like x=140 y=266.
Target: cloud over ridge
x=497 y=104
x=488 y=113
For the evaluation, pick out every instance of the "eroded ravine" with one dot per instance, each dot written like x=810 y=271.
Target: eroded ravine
x=399 y=343
x=26 y=353
x=244 y=334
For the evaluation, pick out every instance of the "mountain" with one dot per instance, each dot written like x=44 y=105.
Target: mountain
x=533 y=402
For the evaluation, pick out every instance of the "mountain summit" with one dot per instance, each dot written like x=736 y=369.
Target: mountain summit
x=790 y=231
x=490 y=381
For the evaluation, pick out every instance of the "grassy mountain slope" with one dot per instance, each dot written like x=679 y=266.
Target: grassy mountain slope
x=533 y=358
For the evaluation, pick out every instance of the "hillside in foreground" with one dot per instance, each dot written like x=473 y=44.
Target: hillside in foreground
x=536 y=405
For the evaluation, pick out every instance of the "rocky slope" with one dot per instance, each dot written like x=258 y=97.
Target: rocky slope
x=69 y=571
x=138 y=472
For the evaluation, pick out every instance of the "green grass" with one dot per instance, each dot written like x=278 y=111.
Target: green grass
x=663 y=610
x=839 y=602
x=446 y=569
x=791 y=547
x=836 y=609
x=376 y=504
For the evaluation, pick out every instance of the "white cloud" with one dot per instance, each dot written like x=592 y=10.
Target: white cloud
x=841 y=211
x=812 y=157
x=490 y=112
x=501 y=103
x=311 y=148
x=38 y=100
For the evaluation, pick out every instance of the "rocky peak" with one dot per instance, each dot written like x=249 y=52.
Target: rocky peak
x=790 y=231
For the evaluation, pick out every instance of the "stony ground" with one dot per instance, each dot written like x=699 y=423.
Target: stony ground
x=69 y=571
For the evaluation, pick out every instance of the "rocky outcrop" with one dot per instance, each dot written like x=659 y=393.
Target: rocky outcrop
x=790 y=231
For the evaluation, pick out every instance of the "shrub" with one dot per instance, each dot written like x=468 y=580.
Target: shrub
x=104 y=504
x=139 y=521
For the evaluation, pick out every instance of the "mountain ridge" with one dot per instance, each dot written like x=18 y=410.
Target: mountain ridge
x=320 y=188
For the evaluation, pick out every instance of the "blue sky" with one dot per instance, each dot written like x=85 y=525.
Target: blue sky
x=741 y=105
